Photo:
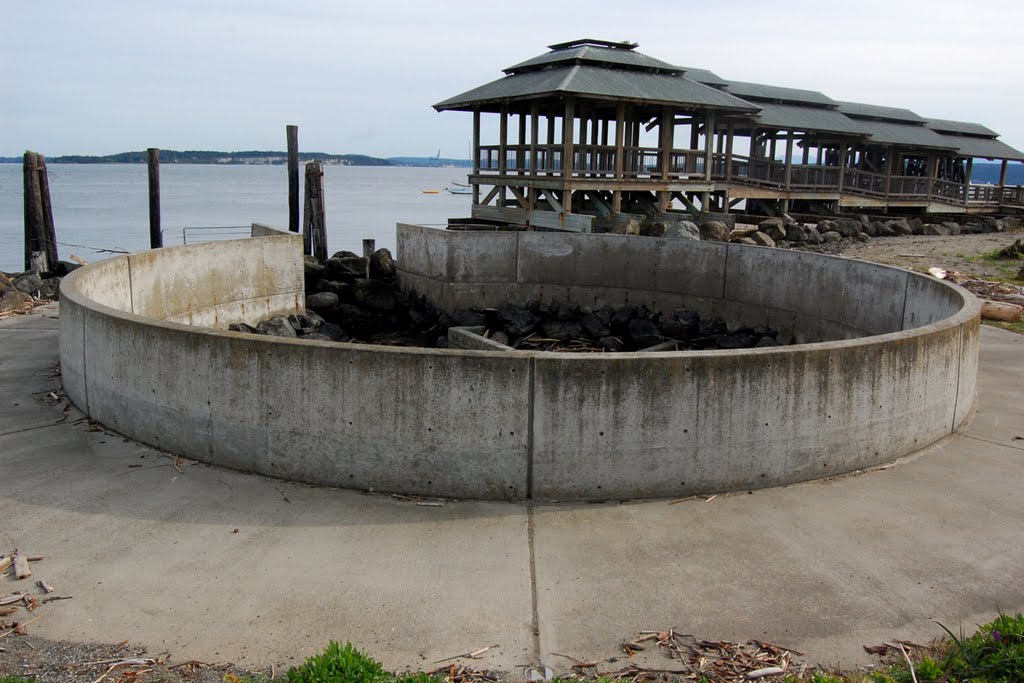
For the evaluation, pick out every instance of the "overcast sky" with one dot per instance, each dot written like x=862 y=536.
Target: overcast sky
x=101 y=77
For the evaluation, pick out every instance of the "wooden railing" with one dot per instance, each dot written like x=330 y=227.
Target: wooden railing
x=599 y=161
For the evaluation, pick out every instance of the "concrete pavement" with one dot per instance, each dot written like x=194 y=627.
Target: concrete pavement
x=151 y=554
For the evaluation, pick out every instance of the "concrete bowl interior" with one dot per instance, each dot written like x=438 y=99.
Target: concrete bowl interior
x=885 y=364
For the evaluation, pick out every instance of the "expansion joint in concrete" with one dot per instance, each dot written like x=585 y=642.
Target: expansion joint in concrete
x=994 y=442
x=535 y=613
x=33 y=428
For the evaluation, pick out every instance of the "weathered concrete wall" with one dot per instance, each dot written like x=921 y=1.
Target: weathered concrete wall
x=494 y=424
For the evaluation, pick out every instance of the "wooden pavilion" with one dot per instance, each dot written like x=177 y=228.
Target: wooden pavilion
x=594 y=131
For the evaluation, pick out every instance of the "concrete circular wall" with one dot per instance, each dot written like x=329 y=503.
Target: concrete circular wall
x=143 y=351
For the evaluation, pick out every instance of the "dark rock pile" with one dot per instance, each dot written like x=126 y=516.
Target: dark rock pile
x=784 y=232
x=560 y=327
x=19 y=291
x=344 y=305
x=353 y=299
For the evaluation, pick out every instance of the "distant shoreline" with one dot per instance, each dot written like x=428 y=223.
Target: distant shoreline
x=250 y=158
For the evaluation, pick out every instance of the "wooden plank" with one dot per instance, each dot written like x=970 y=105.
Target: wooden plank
x=21 y=567
x=709 y=136
x=502 y=151
x=292 y=133
x=543 y=219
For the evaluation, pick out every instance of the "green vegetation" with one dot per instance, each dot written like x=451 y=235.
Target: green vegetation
x=994 y=654
x=15 y=679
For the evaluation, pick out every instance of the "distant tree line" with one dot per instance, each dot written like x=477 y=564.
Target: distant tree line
x=170 y=156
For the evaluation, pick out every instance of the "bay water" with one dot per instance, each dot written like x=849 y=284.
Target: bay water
x=106 y=206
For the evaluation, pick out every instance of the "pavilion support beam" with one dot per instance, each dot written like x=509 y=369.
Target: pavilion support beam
x=932 y=171
x=490 y=195
x=476 y=154
x=1002 y=173
x=549 y=156
x=967 y=178
x=521 y=144
x=841 y=154
x=889 y=159
x=534 y=129
x=620 y=153
x=567 y=151
x=789 y=162
x=807 y=152
x=709 y=138
x=502 y=152
x=730 y=136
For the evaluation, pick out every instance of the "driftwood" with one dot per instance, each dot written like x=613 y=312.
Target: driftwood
x=997 y=310
x=21 y=568
x=5 y=562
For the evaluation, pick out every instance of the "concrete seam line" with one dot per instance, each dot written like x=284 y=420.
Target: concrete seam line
x=906 y=292
x=85 y=376
x=534 y=608
x=959 y=362
x=131 y=292
x=725 y=271
x=33 y=428
x=991 y=441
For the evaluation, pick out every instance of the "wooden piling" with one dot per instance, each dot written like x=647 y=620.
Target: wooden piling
x=369 y=246
x=293 y=177
x=35 y=249
x=49 y=231
x=314 y=223
x=156 y=237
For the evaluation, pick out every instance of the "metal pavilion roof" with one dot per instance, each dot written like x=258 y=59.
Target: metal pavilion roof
x=599 y=82
x=804 y=118
x=594 y=52
x=615 y=71
x=874 y=111
x=961 y=128
x=776 y=93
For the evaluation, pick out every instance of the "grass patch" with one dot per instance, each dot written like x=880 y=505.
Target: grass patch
x=1012 y=327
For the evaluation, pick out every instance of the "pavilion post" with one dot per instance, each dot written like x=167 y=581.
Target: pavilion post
x=967 y=178
x=567 y=152
x=502 y=153
x=521 y=145
x=789 y=158
x=1002 y=173
x=476 y=156
x=620 y=153
x=534 y=130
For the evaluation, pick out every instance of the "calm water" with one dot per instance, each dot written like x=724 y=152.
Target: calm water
x=106 y=206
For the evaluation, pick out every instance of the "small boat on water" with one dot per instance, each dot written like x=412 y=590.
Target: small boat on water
x=464 y=189
x=461 y=184
x=431 y=191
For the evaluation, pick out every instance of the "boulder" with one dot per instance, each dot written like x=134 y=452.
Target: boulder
x=954 y=228
x=796 y=233
x=344 y=254
x=610 y=343
x=62 y=268
x=847 y=227
x=762 y=240
x=312 y=268
x=345 y=268
x=562 y=329
x=864 y=221
x=682 y=324
x=382 y=264
x=243 y=327
x=901 y=226
x=468 y=317
x=813 y=236
x=278 y=326
x=322 y=301
x=305 y=324
x=916 y=226
x=516 y=321
x=381 y=299
x=333 y=332
x=715 y=231
x=29 y=282
x=787 y=220
x=643 y=332
x=50 y=289
x=863 y=237
x=13 y=299
x=831 y=236
x=649 y=228
x=625 y=227
x=682 y=230
x=342 y=289
x=885 y=231
x=316 y=336
x=750 y=240
x=936 y=230
x=773 y=227
x=594 y=326
x=783 y=244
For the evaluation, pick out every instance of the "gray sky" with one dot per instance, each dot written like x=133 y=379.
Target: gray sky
x=100 y=77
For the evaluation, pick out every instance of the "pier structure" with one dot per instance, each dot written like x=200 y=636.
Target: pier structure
x=595 y=132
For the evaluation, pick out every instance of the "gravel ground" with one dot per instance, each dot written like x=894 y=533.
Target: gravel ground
x=64 y=662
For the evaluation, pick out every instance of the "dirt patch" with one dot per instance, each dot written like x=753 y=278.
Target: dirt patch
x=962 y=253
